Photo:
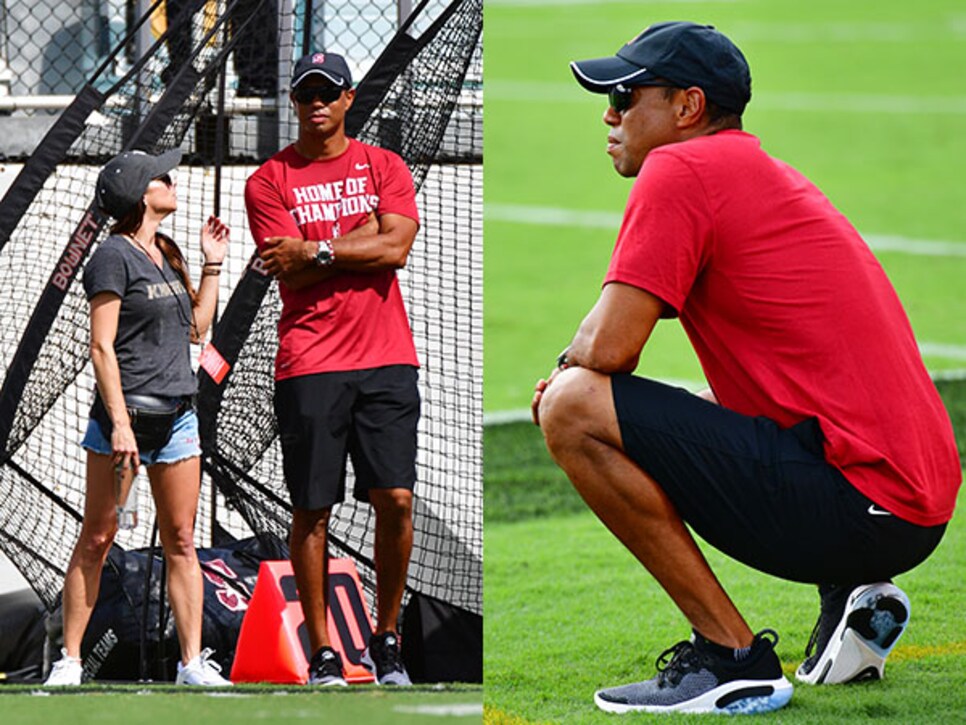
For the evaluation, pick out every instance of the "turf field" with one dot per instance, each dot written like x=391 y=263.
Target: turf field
x=568 y=611
x=149 y=705
x=867 y=99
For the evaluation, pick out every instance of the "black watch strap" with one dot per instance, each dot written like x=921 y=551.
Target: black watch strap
x=562 y=361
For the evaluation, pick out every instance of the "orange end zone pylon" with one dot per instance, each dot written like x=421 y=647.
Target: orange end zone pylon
x=273 y=645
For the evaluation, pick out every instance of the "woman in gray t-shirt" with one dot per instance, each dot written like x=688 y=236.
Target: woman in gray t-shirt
x=144 y=314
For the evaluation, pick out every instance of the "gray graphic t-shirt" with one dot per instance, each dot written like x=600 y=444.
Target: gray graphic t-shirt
x=154 y=326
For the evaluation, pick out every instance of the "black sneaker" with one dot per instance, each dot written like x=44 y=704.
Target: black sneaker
x=384 y=658
x=690 y=679
x=326 y=668
x=855 y=631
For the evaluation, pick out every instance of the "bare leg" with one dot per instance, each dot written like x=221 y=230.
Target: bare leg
x=309 y=554
x=176 y=487
x=393 y=545
x=579 y=423
x=83 y=579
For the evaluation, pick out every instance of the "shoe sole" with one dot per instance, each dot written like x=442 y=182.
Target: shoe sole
x=185 y=682
x=875 y=617
x=743 y=697
x=335 y=682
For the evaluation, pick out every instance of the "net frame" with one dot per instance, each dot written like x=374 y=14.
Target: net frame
x=45 y=394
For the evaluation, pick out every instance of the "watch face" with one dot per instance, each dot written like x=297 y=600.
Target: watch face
x=323 y=257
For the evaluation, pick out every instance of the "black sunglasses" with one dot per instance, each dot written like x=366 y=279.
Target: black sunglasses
x=621 y=97
x=165 y=179
x=308 y=94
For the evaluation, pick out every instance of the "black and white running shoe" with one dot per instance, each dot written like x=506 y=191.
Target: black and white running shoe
x=325 y=669
x=856 y=630
x=690 y=679
x=383 y=657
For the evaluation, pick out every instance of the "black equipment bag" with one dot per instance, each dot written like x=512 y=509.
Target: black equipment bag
x=111 y=646
x=440 y=642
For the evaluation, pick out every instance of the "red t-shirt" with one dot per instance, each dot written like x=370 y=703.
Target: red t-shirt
x=790 y=314
x=353 y=320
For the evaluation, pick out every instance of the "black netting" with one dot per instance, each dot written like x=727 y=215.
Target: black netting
x=428 y=107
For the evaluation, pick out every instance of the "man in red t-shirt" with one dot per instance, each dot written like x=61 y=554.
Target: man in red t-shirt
x=821 y=453
x=333 y=220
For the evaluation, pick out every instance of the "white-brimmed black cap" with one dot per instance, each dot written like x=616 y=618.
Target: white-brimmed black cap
x=329 y=65
x=685 y=54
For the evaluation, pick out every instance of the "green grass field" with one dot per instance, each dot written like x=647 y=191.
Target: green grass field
x=153 y=704
x=568 y=610
x=866 y=98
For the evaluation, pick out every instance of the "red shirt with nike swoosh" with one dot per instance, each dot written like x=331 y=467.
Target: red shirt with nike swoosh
x=790 y=314
x=354 y=320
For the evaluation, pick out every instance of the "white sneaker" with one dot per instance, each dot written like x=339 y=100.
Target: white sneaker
x=201 y=671
x=65 y=672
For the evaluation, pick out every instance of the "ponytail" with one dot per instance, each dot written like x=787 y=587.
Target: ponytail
x=175 y=258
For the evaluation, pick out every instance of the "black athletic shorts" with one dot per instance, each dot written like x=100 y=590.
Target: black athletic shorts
x=762 y=494
x=368 y=415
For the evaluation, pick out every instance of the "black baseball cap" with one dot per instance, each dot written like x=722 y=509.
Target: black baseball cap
x=124 y=179
x=329 y=65
x=683 y=53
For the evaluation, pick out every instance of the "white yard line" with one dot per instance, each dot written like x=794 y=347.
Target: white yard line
x=841 y=102
x=921 y=247
x=876 y=103
x=826 y=32
x=823 y=32
x=467 y=709
x=499 y=417
x=553 y=216
x=928 y=349
x=943 y=350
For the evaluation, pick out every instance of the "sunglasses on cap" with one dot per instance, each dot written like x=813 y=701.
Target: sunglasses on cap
x=308 y=94
x=621 y=97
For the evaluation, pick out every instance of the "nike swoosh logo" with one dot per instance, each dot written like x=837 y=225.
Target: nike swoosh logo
x=875 y=511
x=360 y=167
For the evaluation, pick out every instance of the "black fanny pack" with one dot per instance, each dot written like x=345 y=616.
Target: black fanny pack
x=152 y=418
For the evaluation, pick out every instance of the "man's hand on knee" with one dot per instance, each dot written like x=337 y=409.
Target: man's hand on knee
x=539 y=389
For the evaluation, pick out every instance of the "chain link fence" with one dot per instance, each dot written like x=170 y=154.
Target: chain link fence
x=50 y=48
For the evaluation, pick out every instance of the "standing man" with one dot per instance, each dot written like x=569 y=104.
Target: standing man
x=822 y=452
x=334 y=219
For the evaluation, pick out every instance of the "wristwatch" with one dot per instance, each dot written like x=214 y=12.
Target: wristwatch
x=562 y=362
x=325 y=257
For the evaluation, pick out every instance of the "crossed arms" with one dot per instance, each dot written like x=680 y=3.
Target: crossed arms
x=381 y=243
